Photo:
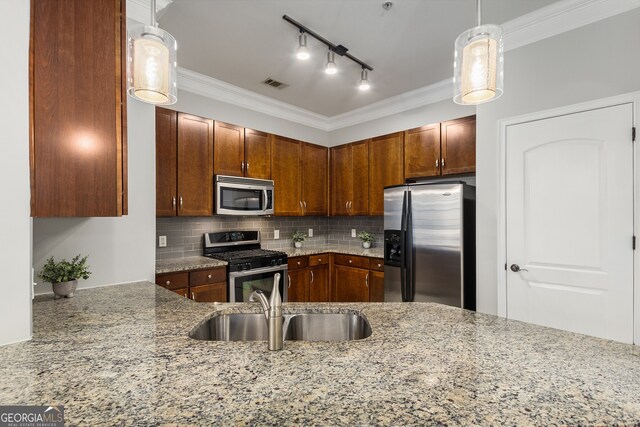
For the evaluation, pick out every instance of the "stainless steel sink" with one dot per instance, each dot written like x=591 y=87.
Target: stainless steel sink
x=327 y=327
x=296 y=327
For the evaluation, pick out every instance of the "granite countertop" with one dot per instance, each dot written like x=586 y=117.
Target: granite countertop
x=121 y=355
x=197 y=262
x=189 y=263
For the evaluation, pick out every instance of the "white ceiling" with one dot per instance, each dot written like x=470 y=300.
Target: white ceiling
x=242 y=42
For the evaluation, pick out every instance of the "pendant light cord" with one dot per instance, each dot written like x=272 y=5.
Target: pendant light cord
x=478 y=11
x=153 y=14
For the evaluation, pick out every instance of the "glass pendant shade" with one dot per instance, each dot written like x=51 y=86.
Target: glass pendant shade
x=152 y=65
x=364 y=81
x=478 y=69
x=331 y=64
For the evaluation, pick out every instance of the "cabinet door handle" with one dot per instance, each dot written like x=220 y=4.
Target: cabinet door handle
x=289 y=276
x=180 y=202
x=193 y=296
x=173 y=202
x=443 y=163
x=366 y=280
x=247 y=166
x=305 y=204
x=312 y=277
x=242 y=166
x=437 y=163
x=346 y=206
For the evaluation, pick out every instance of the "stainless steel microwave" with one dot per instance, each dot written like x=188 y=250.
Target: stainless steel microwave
x=243 y=196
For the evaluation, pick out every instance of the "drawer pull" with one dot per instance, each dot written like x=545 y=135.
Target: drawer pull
x=319 y=259
x=350 y=261
x=168 y=282
x=379 y=265
x=209 y=276
x=298 y=262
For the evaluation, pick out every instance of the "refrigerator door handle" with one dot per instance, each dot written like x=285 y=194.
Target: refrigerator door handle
x=410 y=251
x=403 y=249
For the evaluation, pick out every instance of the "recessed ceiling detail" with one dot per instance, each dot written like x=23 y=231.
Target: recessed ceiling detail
x=274 y=83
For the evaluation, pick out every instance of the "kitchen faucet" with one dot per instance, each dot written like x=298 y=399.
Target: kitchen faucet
x=272 y=312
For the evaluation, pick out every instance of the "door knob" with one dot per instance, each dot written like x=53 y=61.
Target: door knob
x=516 y=268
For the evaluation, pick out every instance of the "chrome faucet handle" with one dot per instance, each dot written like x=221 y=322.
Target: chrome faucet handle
x=258 y=296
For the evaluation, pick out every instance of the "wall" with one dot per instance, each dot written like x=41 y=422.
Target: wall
x=433 y=113
x=202 y=106
x=184 y=235
x=121 y=249
x=15 y=250
x=591 y=62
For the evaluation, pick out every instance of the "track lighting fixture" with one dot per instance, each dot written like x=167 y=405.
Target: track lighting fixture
x=364 y=81
x=478 y=63
x=331 y=63
x=303 y=50
x=331 y=68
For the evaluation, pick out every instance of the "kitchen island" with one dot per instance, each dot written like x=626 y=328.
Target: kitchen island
x=122 y=355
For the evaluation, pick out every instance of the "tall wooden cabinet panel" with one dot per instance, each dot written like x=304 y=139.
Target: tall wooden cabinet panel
x=350 y=284
x=315 y=178
x=319 y=283
x=298 y=286
x=166 y=162
x=385 y=168
x=422 y=151
x=360 y=170
x=341 y=179
x=459 y=146
x=257 y=154
x=285 y=172
x=195 y=166
x=77 y=116
x=228 y=149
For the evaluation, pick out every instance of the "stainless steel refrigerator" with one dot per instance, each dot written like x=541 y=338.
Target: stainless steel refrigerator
x=429 y=244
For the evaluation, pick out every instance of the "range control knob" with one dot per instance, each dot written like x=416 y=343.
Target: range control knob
x=247 y=266
x=273 y=262
x=279 y=261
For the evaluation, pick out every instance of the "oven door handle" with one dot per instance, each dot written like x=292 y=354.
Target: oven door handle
x=258 y=271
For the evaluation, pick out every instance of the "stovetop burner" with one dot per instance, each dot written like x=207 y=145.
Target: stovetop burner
x=232 y=256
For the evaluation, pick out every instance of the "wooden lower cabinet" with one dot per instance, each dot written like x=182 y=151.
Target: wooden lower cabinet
x=350 y=284
x=319 y=284
x=298 y=286
x=209 y=285
x=376 y=286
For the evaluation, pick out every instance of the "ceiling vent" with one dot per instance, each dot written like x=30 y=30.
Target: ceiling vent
x=274 y=83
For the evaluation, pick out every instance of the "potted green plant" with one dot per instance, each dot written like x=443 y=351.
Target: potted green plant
x=64 y=275
x=367 y=239
x=298 y=237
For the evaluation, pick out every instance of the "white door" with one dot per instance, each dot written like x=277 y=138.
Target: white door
x=569 y=212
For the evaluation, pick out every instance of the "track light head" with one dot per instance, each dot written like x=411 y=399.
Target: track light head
x=364 y=81
x=303 y=51
x=331 y=64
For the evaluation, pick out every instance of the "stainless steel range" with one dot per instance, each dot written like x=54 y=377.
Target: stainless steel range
x=250 y=267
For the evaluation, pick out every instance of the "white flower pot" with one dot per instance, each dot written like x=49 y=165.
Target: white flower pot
x=297 y=244
x=65 y=289
x=366 y=245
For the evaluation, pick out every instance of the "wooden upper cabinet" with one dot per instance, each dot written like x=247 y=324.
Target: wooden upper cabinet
x=385 y=168
x=228 y=150
x=341 y=179
x=257 y=154
x=360 y=181
x=77 y=97
x=166 y=162
x=195 y=166
x=459 y=146
x=285 y=172
x=422 y=151
x=315 y=179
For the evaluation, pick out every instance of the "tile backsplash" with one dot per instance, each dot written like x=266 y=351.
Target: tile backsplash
x=184 y=235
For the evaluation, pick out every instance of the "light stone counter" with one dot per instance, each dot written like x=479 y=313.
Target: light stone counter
x=189 y=263
x=121 y=355
x=375 y=252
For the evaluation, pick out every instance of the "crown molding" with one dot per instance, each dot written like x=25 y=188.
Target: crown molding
x=549 y=21
x=560 y=17
x=200 y=84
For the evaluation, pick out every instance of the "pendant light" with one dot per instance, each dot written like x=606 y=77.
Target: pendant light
x=478 y=63
x=152 y=63
x=303 y=51
x=364 y=80
x=331 y=63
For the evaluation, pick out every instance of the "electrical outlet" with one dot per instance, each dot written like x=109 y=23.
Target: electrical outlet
x=162 y=241
x=276 y=234
x=353 y=232
x=311 y=232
